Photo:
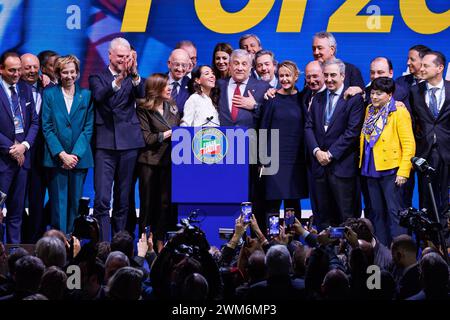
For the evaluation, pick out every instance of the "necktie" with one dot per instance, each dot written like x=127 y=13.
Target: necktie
x=15 y=102
x=174 y=92
x=234 y=108
x=433 y=102
x=329 y=111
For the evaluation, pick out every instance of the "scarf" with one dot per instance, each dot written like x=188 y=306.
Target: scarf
x=375 y=121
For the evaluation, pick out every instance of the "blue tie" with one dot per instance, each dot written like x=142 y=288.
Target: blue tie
x=329 y=110
x=433 y=102
x=174 y=92
x=15 y=102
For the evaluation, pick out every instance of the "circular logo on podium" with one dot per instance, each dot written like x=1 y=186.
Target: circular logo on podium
x=209 y=145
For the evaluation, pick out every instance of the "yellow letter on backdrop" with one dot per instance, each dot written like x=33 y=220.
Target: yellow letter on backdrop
x=136 y=16
x=420 y=19
x=215 y=18
x=291 y=15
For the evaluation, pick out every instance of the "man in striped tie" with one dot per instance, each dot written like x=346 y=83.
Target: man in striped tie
x=19 y=125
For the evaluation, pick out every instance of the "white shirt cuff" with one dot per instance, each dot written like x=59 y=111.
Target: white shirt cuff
x=315 y=150
x=136 y=82
x=26 y=144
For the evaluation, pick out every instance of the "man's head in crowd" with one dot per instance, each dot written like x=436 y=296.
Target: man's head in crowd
x=381 y=67
x=30 y=68
x=10 y=67
x=265 y=64
x=125 y=284
x=28 y=274
x=335 y=285
x=433 y=65
x=324 y=46
x=250 y=43
x=240 y=65
x=404 y=251
x=256 y=267
x=115 y=261
x=47 y=61
x=434 y=274
x=178 y=64
x=191 y=49
x=334 y=73
x=51 y=251
x=314 y=76
x=278 y=261
x=195 y=288
x=53 y=283
x=415 y=55
x=122 y=241
x=119 y=54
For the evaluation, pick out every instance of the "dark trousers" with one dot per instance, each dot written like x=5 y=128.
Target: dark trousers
x=156 y=209
x=385 y=201
x=440 y=183
x=13 y=182
x=337 y=199
x=35 y=223
x=112 y=166
x=131 y=216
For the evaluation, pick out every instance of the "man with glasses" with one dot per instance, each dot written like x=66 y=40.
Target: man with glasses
x=178 y=65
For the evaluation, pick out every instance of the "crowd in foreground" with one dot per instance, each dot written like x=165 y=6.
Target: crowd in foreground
x=296 y=264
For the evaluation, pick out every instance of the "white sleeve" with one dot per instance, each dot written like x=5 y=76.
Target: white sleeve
x=189 y=112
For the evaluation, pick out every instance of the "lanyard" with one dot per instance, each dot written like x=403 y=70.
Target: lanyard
x=10 y=100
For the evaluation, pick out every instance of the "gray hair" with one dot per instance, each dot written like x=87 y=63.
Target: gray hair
x=117 y=255
x=266 y=52
x=338 y=62
x=278 y=261
x=329 y=36
x=246 y=36
x=119 y=42
x=238 y=53
x=185 y=43
x=51 y=251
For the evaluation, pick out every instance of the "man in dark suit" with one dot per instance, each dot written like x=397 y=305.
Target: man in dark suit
x=178 y=65
x=315 y=83
x=47 y=60
x=266 y=65
x=430 y=103
x=406 y=273
x=34 y=224
x=333 y=128
x=382 y=67
x=240 y=102
x=324 y=49
x=118 y=135
x=414 y=63
x=241 y=96
x=19 y=125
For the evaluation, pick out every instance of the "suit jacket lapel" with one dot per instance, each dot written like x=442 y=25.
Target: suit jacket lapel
x=77 y=98
x=446 y=104
x=5 y=102
x=319 y=104
x=61 y=103
x=224 y=97
x=423 y=92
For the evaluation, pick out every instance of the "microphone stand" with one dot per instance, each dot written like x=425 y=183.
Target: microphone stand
x=441 y=239
x=208 y=120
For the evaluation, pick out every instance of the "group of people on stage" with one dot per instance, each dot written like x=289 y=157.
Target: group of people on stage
x=338 y=138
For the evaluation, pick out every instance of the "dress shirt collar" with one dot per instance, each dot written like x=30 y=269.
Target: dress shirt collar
x=439 y=86
x=172 y=80
x=338 y=92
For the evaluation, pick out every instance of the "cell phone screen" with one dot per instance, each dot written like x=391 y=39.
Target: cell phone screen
x=337 y=233
x=274 y=225
x=289 y=218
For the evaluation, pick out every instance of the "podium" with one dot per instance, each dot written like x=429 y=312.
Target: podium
x=210 y=172
x=209 y=165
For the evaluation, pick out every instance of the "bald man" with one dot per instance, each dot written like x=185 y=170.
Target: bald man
x=34 y=224
x=315 y=82
x=382 y=67
x=178 y=65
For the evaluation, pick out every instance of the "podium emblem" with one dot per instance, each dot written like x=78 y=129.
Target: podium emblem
x=209 y=145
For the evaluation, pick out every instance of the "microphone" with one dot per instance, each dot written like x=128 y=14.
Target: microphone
x=421 y=165
x=208 y=120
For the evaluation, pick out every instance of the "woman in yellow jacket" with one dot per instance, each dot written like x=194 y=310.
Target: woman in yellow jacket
x=386 y=147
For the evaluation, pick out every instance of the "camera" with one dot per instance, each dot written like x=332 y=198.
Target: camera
x=274 y=224
x=246 y=211
x=85 y=225
x=418 y=221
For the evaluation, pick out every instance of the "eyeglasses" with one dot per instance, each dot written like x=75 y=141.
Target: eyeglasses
x=178 y=64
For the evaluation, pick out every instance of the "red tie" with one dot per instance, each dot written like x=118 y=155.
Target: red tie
x=234 y=109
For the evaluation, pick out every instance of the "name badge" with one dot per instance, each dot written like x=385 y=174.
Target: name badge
x=18 y=125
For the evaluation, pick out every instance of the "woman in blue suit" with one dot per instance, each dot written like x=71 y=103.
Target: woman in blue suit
x=67 y=124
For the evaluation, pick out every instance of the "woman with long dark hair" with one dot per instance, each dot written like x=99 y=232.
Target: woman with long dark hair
x=201 y=107
x=221 y=60
x=157 y=114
